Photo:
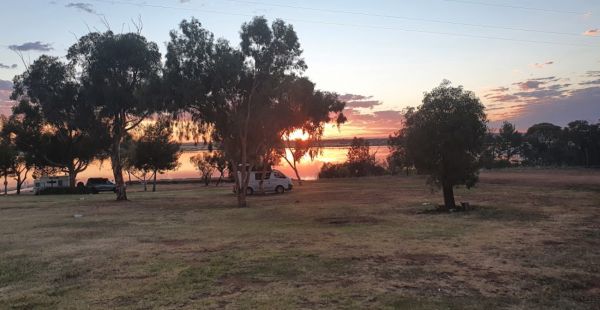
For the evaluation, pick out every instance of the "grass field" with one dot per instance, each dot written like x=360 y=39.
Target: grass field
x=532 y=242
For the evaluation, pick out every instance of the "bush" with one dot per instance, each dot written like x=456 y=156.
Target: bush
x=349 y=170
x=62 y=191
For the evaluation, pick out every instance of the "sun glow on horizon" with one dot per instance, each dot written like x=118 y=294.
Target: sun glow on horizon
x=298 y=134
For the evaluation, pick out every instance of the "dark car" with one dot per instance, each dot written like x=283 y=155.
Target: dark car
x=96 y=185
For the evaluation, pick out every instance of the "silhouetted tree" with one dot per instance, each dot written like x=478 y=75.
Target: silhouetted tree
x=51 y=124
x=398 y=158
x=582 y=141
x=120 y=80
x=235 y=93
x=8 y=157
x=445 y=137
x=204 y=164
x=510 y=140
x=544 y=145
x=155 y=152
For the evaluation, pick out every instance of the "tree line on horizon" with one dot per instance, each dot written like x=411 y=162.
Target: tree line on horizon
x=248 y=99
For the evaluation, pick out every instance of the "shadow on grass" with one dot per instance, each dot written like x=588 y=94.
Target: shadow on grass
x=491 y=214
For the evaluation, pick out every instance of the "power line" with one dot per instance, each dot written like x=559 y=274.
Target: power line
x=515 y=7
x=349 y=25
x=438 y=21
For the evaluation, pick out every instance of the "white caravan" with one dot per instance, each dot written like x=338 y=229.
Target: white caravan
x=275 y=182
x=50 y=181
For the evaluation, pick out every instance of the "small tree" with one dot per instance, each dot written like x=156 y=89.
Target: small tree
x=219 y=162
x=205 y=165
x=398 y=158
x=510 y=140
x=445 y=137
x=8 y=157
x=544 y=145
x=155 y=152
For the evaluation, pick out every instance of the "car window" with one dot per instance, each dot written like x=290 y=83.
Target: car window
x=257 y=176
x=279 y=175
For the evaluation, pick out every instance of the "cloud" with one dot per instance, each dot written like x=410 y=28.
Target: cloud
x=359 y=101
x=592 y=82
x=32 y=46
x=592 y=32
x=581 y=104
x=82 y=6
x=6 y=85
x=364 y=119
x=529 y=85
x=3 y=66
x=592 y=74
x=542 y=65
x=545 y=100
x=533 y=84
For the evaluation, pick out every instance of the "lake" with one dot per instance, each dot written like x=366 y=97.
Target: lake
x=308 y=169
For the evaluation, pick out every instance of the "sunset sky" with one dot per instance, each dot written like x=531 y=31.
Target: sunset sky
x=529 y=61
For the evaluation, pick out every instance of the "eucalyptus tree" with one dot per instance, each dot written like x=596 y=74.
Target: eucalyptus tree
x=445 y=138
x=227 y=89
x=302 y=108
x=155 y=152
x=237 y=94
x=120 y=77
x=52 y=125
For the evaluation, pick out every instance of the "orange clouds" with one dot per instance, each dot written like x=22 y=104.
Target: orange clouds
x=592 y=32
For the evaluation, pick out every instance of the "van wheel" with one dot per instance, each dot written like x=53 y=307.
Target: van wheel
x=279 y=189
x=249 y=191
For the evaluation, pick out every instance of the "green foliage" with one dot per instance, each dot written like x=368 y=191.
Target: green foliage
x=445 y=137
x=120 y=79
x=52 y=126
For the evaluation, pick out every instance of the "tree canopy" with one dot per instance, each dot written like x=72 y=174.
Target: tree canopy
x=445 y=137
x=247 y=98
x=52 y=123
x=120 y=79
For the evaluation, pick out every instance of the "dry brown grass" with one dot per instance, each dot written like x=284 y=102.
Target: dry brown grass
x=533 y=241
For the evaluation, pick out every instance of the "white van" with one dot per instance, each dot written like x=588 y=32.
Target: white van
x=275 y=182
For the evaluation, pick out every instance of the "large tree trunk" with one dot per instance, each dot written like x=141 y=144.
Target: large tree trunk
x=262 y=178
x=5 y=183
x=448 y=196
x=154 y=182
x=220 y=178
x=72 y=176
x=295 y=168
x=117 y=167
x=241 y=185
x=19 y=183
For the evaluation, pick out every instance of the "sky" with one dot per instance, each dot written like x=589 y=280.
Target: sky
x=529 y=61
